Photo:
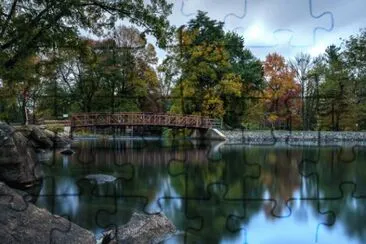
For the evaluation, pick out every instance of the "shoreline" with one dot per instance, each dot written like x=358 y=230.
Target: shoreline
x=266 y=137
x=296 y=138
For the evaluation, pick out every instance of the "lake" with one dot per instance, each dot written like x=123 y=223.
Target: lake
x=213 y=193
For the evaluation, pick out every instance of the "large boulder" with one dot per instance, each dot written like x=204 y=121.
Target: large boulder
x=59 y=139
x=141 y=228
x=37 y=136
x=22 y=222
x=17 y=158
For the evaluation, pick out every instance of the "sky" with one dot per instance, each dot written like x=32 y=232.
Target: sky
x=283 y=26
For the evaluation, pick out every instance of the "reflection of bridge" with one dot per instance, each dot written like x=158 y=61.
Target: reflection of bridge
x=100 y=156
x=85 y=120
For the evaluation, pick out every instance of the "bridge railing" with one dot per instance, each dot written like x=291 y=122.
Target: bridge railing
x=132 y=118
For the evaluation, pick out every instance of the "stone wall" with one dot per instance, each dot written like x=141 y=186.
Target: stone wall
x=296 y=137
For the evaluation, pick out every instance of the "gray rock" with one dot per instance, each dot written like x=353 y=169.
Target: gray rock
x=141 y=228
x=100 y=178
x=49 y=133
x=38 y=137
x=17 y=158
x=67 y=152
x=59 y=140
x=22 y=222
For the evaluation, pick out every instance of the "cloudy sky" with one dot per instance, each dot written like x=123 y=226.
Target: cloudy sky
x=283 y=26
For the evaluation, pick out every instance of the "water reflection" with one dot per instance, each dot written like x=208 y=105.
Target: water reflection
x=218 y=194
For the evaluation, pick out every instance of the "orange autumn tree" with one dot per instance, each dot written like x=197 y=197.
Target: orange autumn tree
x=282 y=103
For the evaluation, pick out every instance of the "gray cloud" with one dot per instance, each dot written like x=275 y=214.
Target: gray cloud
x=283 y=26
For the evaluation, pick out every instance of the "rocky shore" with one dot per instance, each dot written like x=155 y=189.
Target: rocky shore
x=295 y=137
x=18 y=153
x=141 y=228
x=23 y=222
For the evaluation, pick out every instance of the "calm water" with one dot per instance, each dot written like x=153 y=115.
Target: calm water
x=214 y=193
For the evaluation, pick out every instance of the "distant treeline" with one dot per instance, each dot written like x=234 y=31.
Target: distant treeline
x=48 y=69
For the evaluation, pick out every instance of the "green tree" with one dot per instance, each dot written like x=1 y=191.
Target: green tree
x=355 y=60
x=250 y=70
x=127 y=71
x=336 y=99
x=30 y=27
x=215 y=70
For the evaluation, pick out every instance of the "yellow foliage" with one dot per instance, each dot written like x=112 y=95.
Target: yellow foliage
x=272 y=118
x=213 y=106
x=231 y=85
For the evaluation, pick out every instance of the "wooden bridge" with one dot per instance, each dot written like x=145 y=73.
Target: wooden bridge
x=79 y=120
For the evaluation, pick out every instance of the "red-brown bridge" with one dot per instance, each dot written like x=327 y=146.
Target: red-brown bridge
x=79 y=120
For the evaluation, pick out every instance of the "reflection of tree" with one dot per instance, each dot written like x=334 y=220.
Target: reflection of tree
x=230 y=174
x=280 y=175
x=345 y=168
x=150 y=177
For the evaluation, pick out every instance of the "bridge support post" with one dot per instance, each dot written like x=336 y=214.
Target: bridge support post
x=174 y=132
x=208 y=134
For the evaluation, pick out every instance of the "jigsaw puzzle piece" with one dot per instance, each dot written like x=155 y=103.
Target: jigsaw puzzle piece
x=332 y=168
x=215 y=210
x=216 y=9
x=176 y=210
x=70 y=186
x=191 y=179
x=25 y=223
x=303 y=224
x=117 y=211
x=197 y=217
x=349 y=212
x=264 y=28
x=62 y=173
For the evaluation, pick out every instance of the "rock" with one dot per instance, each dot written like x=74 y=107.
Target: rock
x=17 y=158
x=100 y=178
x=67 y=152
x=40 y=137
x=141 y=228
x=22 y=222
x=59 y=139
x=42 y=127
x=49 y=133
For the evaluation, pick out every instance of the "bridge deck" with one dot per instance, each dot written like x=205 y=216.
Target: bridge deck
x=141 y=119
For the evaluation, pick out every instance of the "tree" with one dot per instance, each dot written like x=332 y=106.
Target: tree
x=281 y=93
x=250 y=70
x=128 y=72
x=215 y=70
x=314 y=76
x=31 y=27
x=301 y=65
x=112 y=74
x=203 y=63
x=168 y=77
x=336 y=100
x=355 y=61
